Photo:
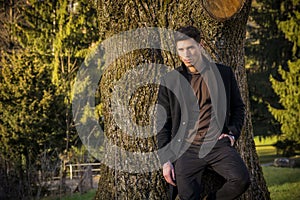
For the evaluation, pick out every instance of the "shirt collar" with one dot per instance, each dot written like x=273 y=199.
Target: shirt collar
x=183 y=68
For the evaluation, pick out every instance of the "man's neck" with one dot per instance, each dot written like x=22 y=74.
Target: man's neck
x=192 y=69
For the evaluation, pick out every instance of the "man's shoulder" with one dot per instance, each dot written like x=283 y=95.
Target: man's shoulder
x=224 y=69
x=179 y=68
x=173 y=73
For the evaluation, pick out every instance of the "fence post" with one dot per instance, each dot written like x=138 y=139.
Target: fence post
x=71 y=171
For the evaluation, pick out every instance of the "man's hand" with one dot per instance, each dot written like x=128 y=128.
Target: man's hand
x=168 y=172
x=232 y=140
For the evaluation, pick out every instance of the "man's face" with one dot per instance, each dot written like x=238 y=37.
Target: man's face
x=189 y=52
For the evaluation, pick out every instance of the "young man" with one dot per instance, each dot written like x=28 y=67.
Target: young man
x=201 y=119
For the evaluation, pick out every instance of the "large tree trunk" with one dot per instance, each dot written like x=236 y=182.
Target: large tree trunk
x=223 y=40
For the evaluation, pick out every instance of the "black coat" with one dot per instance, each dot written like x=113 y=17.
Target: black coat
x=178 y=100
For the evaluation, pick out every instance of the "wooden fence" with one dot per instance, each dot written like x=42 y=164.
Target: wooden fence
x=76 y=170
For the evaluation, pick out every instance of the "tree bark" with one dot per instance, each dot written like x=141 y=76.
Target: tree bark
x=223 y=40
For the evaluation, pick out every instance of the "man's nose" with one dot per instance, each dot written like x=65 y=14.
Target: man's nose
x=186 y=53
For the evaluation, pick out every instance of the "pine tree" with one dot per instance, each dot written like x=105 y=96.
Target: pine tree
x=52 y=38
x=288 y=87
x=266 y=49
x=28 y=124
x=75 y=30
x=288 y=90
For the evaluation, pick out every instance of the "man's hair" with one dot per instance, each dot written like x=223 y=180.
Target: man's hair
x=187 y=32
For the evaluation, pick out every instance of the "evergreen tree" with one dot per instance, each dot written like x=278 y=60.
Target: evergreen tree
x=287 y=88
x=53 y=37
x=63 y=31
x=76 y=31
x=266 y=49
x=28 y=124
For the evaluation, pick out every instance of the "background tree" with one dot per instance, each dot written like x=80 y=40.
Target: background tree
x=266 y=49
x=29 y=127
x=287 y=87
x=223 y=40
x=28 y=124
x=10 y=14
x=76 y=30
x=39 y=59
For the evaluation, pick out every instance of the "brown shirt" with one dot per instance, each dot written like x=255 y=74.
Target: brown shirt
x=205 y=107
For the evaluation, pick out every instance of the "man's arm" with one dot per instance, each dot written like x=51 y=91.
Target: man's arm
x=164 y=134
x=163 y=121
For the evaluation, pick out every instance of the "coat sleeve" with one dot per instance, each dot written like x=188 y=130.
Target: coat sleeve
x=237 y=108
x=163 y=120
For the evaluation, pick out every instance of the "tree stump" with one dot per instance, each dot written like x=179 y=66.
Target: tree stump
x=222 y=9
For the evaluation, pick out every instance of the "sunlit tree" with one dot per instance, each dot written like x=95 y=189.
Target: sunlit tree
x=266 y=49
x=287 y=87
x=52 y=39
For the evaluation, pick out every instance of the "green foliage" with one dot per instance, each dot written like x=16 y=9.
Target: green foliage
x=35 y=85
x=288 y=90
x=29 y=127
x=27 y=102
x=287 y=147
x=291 y=29
x=75 y=32
x=266 y=49
x=287 y=87
x=263 y=141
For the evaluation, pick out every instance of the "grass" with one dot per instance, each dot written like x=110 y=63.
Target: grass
x=266 y=154
x=265 y=149
x=75 y=196
x=283 y=183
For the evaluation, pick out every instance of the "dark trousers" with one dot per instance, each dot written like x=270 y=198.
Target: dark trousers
x=224 y=160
